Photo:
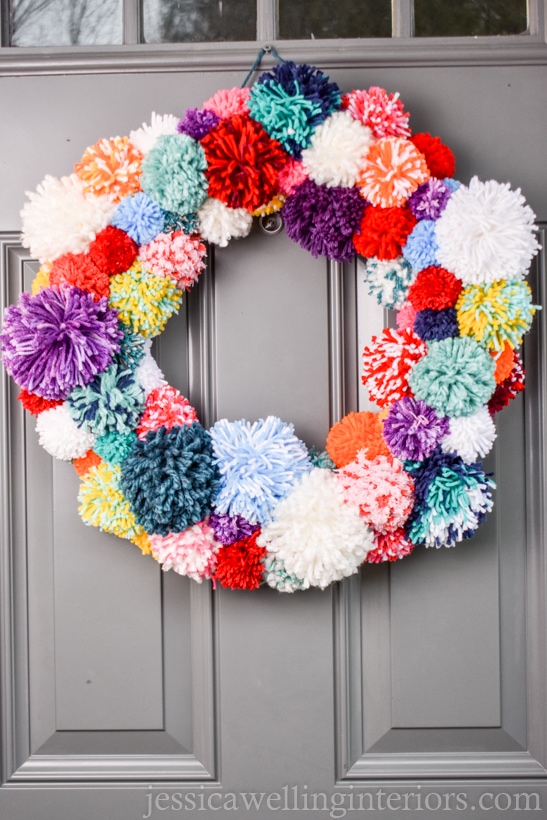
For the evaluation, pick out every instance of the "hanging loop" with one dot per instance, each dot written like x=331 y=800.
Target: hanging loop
x=267 y=49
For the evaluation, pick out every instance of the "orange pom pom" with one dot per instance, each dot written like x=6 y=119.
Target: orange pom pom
x=84 y=464
x=504 y=363
x=142 y=541
x=356 y=431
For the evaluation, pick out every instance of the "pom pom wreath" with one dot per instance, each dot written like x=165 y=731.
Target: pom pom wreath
x=388 y=362
x=355 y=432
x=35 y=405
x=84 y=464
x=406 y=317
x=218 y=224
x=165 y=407
x=504 y=362
x=421 y=247
x=229 y=101
x=509 y=388
x=429 y=199
x=258 y=463
x=434 y=325
x=148 y=373
x=412 y=430
x=78 y=270
x=240 y=565
x=323 y=220
x=388 y=280
x=140 y=217
x=59 y=435
x=103 y=505
x=144 y=301
x=451 y=500
x=192 y=552
x=389 y=546
x=60 y=217
x=111 y=167
x=145 y=137
x=434 y=288
x=383 y=232
x=486 y=233
x=392 y=170
x=381 y=490
x=170 y=479
x=197 y=123
x=230 y=528
x=337 y=150
x=319 y=537
x=470 y=437
x=57 y=340
x=111 y=403
x=242 y=163
x=277 y=577
x=173 y=174
x=383 y=113
x=291 y=176
x=113 y=447
x=113 y=251
x=438 y=156
x=456 y=377
x=496 y=313
x=177 y=255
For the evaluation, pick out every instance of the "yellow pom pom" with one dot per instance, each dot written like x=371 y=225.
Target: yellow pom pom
x=144 y=300
x=41 y=280
x=142 y=541
x=103 y=505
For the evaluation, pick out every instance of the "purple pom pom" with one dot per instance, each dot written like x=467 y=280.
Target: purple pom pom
x=58 y=339
x=434 y=325
x=323 y=220
x=429 y=199
x=230 y=528
x=412 y=429
x=197 y=122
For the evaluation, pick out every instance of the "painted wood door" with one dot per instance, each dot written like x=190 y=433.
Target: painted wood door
x=415 y=688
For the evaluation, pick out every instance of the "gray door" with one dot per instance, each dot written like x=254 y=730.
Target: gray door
x=418 y=687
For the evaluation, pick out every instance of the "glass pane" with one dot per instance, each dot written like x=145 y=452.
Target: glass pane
x=196 y=21
x=469 y=18
x=66 y=22
x=301 y=20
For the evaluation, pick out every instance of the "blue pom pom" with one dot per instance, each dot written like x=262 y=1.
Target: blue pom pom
x=421 y=246
x=111 y=403
x=434 y=325
x=140 y=217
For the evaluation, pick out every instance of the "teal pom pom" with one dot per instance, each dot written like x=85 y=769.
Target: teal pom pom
x=173 y=173
x=111 y=403
x=131 y=352
x=456 y=377
x=320 y=458
x=277 y=577
x=288 y=118
x=113 y=447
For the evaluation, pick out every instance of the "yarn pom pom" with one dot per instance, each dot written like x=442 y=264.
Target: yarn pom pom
x=434 y=288
x=173 y=173
x=59 y=217
x=177 y=255
x=456 y=377
x=388 y=280
x=230 y=528
x=192 y=552
x=103 y=505
x=198 y=122
x=165 y=407
x=429 y=199
x=140 y=217
x=421 y=246
x=59 y=435
x=34 y=404
x=242 y=163
x=57 y=340
x=383 y=232
x=486 y=233
x=412 y=430
x=496 y=313
x=277 y=577
x=438 y=156
x=323 y=220
x=383 y=113
x=218 y=223
x=78 y=270
x=41 y=280
x=113 y=251
x=434 y=325
x=388 y=363
x=291 y=176
x=318 y=537
x=240 y=565
x=111 y=403
x=406 y=317
x=84 y=464
x=321 y=459
x=170 y=479
x=381 y=490
x=144 y=301
x=229 y=101
x=337 y=150
x=505 y=361
x=509 y=388
x=355 y=432
x=145 y=137
x=258 y=463
x=392 y=170
x=470 y=437
x=148 y=373
x=113 y=447
x=389 y=546
x=111 y=167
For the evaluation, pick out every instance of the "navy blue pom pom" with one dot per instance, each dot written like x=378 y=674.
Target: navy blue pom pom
x=434 y=325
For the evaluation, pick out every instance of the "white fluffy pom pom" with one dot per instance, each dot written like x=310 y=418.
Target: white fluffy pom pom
x=471 y=437
x=148 y=373
x=218 y=224
x=144 y=138
x=337 y=150
x=486 y=233
x=319 y=537
x=60 y=217
x=61 y=436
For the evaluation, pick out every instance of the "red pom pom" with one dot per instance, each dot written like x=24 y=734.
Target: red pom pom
x=508 y=389
x=113 y=251
x=438 y=156
x=434 y=288
x=239 y=565
x=35 y=404
x=79 y=270
x=384 y=232
x=390 y=546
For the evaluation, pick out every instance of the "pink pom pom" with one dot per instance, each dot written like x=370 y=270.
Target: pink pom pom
x=389 y=546
x=165 y=407
x=229 y=101
x=177 y=255
x=382 y=112
x=192 y=552
x=388 y=361
x=291 y=176
x=380 y=488
x=405 y=317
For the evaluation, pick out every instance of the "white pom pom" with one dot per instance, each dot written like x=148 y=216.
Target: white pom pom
x=486 y=233
x=60 y=217
x=317 y=535
x=148 y=374
x=471 y=437
x=144 y=138
x=60 y=435
x=218 y=223
x=337 y=150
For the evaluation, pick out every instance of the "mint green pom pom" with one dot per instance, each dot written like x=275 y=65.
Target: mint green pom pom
x=113 y=447
x=173 y=174
x=290 y=119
